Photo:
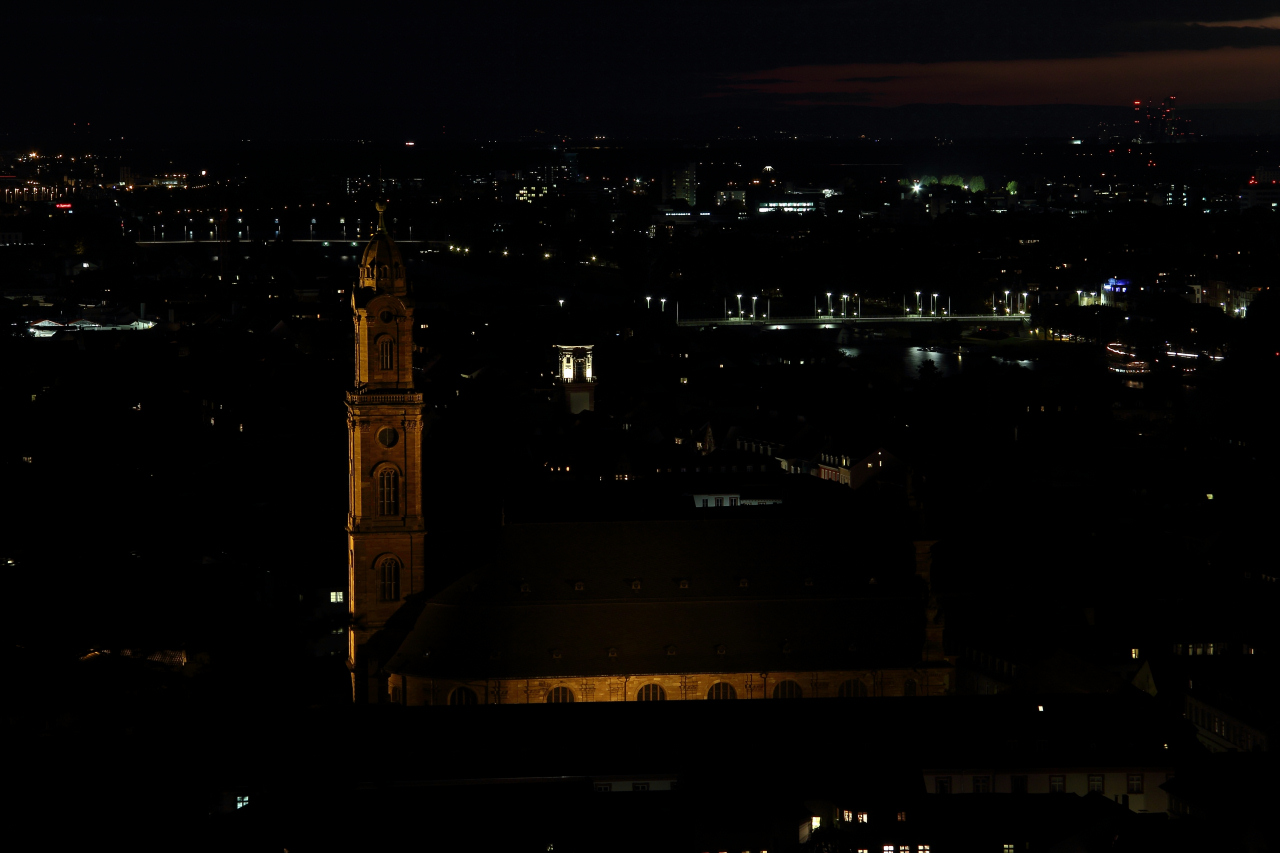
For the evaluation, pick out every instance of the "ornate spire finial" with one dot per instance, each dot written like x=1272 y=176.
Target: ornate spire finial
x=382 y=207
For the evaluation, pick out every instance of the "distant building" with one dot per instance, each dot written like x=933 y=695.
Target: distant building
x=1160 y=122
x=531 y=193
x=1263 y=190
x=731 y=198
x=788 y=206
x=681 y=183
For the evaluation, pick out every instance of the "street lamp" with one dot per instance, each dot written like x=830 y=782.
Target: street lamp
x=844 y=299
x=561 y=303
x=646 y=302
x=918 y=311
x=753 y=307
x=828 y=301
x=859 y=295
x=1024 y=302
x=739 y=306
x=1006 y=302
x=1078 y=292
x=933 y=309
x=663 y=300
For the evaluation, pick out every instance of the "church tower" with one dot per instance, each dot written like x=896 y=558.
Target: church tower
x=385 y=525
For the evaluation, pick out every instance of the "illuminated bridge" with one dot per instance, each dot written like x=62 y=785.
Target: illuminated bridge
x=829 y=322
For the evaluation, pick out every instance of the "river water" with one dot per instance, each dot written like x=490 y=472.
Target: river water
x=950 y=362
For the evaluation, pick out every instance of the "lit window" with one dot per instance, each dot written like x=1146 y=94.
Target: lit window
x=848 y=816
x=559 y=694
x=863 y=817
x=923 y=848
x=335 y=598
x=902 y=816
x=1009 y=848
x=389 y=579
x=388 y=492
x=815 y=822
x=1133 y=653
x=1057 y=784
x=241 y=802
x=651 y=693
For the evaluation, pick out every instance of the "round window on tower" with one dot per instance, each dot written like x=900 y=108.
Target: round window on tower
x=386 y=316
x=388 y=437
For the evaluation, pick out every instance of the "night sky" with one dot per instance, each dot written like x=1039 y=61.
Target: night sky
x=460 y=69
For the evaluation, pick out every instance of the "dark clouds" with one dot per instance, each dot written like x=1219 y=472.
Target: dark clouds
x=408 y=68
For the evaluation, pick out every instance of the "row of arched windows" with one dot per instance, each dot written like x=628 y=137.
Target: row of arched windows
x=851 y=688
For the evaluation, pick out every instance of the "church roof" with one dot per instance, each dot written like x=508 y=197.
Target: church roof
x=669 y=597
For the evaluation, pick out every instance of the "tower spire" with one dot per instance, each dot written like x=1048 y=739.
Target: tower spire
x=382 y=225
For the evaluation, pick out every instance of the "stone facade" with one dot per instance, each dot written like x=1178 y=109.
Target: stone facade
x=928 y=681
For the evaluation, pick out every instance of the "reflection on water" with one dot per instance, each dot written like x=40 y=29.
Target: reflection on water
x=948 y=363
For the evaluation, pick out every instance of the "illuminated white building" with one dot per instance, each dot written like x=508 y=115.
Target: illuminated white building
x=574 y=373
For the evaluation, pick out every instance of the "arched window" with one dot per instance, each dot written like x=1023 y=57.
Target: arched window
x=462 y=696
x=388 y=492
x=722 y=690
x=909 y=688
x=560 y=694
x=852 y=688
x=387 y=354
x=389 y=579
x=651 y=693
x=787 y=690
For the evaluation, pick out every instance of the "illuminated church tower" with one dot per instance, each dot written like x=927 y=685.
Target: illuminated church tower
x=575 y=376
x=385 y=530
